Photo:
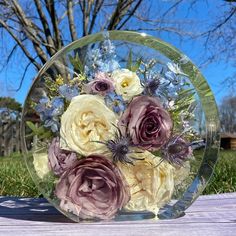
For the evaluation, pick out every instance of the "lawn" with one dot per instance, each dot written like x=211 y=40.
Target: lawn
x=15 y=180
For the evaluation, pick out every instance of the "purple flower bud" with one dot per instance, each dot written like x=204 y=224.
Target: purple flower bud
x=176 y=151
x=100 y=85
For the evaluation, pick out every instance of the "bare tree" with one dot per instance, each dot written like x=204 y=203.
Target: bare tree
x=39 y=28
x=219 y=38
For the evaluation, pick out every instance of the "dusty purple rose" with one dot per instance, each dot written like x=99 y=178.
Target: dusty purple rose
x=176 y=151
x=146 y=122
x=93 y=188
x=102 y=85
x=60 y=160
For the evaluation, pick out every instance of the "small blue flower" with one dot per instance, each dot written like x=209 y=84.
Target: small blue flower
x=53 y=124
x=68 y=92
x=57 y=106
x=170 y=76
x=115 y=102
x=101 y=59
x=109 y=65
x=42 y=105
x=49 y=111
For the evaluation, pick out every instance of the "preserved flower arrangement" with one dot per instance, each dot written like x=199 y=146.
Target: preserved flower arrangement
x=111 y=132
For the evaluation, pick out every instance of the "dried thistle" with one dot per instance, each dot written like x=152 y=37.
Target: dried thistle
x=120 y=148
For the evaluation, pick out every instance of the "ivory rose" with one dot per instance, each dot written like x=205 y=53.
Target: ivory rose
x=86 y=121
x=93 y=188
x=151 y=183
x=41 y=164
x=127 y=83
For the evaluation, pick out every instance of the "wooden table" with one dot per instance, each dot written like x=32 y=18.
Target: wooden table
x=209 y=215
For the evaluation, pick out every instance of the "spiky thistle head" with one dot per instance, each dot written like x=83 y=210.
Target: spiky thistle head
x=120 y=147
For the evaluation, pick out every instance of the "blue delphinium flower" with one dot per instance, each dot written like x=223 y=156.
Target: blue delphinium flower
x=108 y=55
x=93 y=62
x=101 y=59
x=49 y=112
x=115 y=102
x=174 y=75
x=68 y=92
x=53 y=124
x=57 y=106
x=172 y=78
x=42 y=105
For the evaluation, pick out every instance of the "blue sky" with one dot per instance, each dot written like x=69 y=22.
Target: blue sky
x=215 y=73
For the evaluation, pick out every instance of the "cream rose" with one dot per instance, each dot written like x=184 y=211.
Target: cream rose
x=41 y=164
x=127 y=83
x=87 y=119
x=151 y=185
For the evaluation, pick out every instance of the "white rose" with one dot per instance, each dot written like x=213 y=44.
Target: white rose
x=40 y=163
x=87 y=120
x=151 y=183
x=127 y=83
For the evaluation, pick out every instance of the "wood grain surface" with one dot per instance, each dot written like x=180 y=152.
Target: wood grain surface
x=209 y=215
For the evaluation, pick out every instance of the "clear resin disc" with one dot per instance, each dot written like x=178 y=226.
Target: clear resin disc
x=120 y=126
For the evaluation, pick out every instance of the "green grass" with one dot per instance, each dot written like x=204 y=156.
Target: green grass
x=15 y=180
x=224 y=177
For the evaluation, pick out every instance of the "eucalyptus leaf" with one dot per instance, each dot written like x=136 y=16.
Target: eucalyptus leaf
x=31 y=126
x=40 y=131
x=135 y=67
x=77 y=63
x=129 y=61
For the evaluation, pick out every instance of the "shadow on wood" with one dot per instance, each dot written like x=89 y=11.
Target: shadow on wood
x=32 y=209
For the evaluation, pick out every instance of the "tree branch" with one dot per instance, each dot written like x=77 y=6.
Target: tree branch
x=23 y=76
x=29 y=30
x=86 y=6
x=171 y=8
x=219 y=25
x=45 y=27
x=130 y=14
x=97 y=7
x=50 y=5
x=19 y=42
x=70 y=11
x=120 y=10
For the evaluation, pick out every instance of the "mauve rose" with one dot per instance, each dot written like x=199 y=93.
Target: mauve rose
x=146 y=122
x=93 y=188
x=60 y=160
x=177 y=151
x=102 y=84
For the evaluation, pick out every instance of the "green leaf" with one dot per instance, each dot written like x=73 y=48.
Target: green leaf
x=77 y=63
x=40 y=131
x=31 y=126
x=44 y=135
x=135 y=67
x=129 y=61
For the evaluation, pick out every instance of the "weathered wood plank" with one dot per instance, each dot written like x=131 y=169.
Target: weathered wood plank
x=209 y=215
x=115 y=230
